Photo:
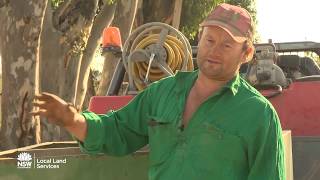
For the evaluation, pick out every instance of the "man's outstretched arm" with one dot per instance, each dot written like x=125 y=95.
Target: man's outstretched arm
x=59 y=112
x=115 y=133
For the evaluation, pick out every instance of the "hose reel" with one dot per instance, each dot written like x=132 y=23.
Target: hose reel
x=153 y=51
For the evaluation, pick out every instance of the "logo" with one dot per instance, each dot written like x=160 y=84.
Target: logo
x=24 y=160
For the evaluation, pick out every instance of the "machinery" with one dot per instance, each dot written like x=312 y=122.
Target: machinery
x=292 y=83
x=156 y=50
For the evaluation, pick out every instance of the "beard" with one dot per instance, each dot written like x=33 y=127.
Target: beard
x=216 y=71
x=210 y=70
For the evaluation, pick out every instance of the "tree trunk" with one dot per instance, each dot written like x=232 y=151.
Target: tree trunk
x=139 y=15
x=158 y=11
x=64 y=38
x=50 y=54
x=75 y=36
x=124 y=18
x=177 y=14
x=90 y=90
x=20 y=69
x=2 y=34
x=109 y=65
x=103 y=19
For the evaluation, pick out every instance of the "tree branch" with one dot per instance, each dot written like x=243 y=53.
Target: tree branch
x=58 y=13
x=69 y=12
x=103 y=19
x=124 y=20
x=3 y=3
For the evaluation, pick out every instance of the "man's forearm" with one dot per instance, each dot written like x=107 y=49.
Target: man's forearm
x=79 y=128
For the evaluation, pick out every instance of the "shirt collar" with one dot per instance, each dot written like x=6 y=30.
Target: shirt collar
x=233 y=84
x=185 y=80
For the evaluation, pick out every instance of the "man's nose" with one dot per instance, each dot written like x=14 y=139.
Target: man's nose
x=215 y=50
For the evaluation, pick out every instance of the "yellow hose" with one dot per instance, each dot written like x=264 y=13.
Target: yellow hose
x=175 y=57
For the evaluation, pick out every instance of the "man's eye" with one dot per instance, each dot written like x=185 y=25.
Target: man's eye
x=227 y=46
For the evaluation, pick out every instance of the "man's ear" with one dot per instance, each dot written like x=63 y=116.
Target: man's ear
x=200 y=34
x=249 y=54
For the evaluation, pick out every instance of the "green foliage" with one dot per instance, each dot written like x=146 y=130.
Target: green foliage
x=194 y=11
x=55 y=3
x=110 y=1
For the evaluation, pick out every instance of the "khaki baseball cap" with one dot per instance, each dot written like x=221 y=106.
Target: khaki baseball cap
x=233 y=19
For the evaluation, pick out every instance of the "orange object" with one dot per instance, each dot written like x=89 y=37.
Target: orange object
x=111 y=38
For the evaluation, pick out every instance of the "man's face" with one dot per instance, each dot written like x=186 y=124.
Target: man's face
x=219 y=56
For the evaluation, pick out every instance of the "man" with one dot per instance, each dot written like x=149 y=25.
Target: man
x=206 y=124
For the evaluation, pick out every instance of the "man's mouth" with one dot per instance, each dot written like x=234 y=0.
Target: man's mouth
x=212 y=61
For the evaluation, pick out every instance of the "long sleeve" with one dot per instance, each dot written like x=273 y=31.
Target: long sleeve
x=266 y=151
x=118 y=132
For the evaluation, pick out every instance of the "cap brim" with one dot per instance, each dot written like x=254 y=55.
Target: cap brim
x=234 y=33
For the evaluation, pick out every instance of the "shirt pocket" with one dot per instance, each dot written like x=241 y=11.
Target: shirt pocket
x=162 y=139
x=216 y=153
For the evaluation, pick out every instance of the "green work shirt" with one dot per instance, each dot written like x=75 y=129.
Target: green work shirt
x=234 y=135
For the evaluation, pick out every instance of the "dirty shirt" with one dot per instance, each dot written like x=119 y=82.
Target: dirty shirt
x=234 y=135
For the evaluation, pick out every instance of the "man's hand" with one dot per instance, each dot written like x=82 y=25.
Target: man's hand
x=59 y=112
x=55 y=109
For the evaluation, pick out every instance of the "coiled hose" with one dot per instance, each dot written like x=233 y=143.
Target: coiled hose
x=156 y=55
